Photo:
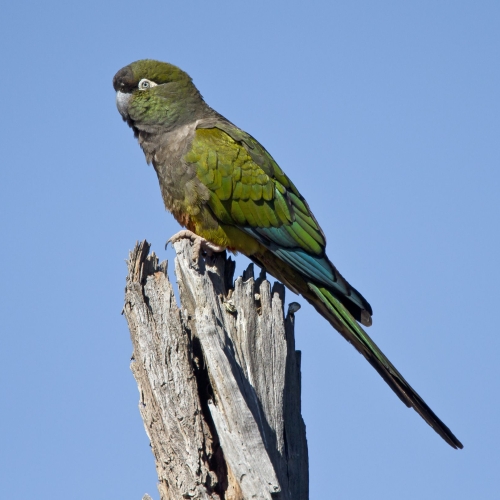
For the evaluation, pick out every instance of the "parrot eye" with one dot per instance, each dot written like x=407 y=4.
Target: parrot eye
x=145 y=84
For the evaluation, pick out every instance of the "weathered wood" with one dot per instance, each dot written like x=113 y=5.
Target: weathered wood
x=219 y=379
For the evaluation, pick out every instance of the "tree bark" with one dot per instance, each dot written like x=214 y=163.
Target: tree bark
x=219 y=379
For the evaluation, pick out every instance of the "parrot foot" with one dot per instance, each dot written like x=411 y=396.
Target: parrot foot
x=199 y=244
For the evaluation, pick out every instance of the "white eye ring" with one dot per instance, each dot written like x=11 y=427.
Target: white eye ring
x=146 y=84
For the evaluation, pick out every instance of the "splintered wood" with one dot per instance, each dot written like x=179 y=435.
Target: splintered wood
x=218 y=378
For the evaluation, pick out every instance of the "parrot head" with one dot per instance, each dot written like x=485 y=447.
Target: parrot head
x=154 y=96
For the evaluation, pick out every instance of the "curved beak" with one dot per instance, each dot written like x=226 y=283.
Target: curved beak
x=122 y=100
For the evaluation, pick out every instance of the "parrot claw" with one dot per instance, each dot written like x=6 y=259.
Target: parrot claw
x=199 y=244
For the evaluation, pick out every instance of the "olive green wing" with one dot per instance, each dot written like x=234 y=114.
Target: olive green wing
x=249 y=190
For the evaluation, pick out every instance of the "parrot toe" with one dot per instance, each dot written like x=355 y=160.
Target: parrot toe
x=199 y=244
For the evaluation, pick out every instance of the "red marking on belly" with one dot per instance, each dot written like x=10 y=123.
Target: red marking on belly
x=184 y=220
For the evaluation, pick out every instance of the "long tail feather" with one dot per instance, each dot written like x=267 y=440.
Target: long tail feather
x=333 y=310
x=325 y=302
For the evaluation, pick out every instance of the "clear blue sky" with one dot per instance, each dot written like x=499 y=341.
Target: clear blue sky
x=386 y=115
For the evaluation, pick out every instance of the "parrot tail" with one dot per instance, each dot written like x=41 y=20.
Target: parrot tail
x=336 y=313
x=331 y=308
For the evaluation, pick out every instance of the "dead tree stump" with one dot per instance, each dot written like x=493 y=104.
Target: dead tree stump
x=219 y=379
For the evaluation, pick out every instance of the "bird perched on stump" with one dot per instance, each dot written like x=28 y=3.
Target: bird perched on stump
x=229 y=193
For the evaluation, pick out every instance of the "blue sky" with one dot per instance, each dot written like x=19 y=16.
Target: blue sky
x=385 y=115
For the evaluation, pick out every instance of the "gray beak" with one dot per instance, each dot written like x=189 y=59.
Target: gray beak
x=122 y=103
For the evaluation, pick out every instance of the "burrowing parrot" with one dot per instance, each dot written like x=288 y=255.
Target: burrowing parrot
x=229 y=193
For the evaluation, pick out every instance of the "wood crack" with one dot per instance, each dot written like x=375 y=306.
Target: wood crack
x=219 y=379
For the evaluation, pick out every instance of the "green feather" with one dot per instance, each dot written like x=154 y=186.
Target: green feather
x=256 y=192
x=281 y=207
x=219 y=209
x=237 y=213
x=250 y=215
x=310 y=227
x=303 y=239
x=225 y=189
x=268 y=191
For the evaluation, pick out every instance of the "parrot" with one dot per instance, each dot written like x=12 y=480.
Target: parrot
x=228 y=192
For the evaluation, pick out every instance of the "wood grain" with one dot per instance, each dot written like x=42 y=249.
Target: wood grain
x=218 y=378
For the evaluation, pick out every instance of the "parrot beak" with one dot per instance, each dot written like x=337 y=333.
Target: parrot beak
x=122 y=100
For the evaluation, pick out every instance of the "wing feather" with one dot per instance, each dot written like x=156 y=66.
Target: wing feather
x=249 y=190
